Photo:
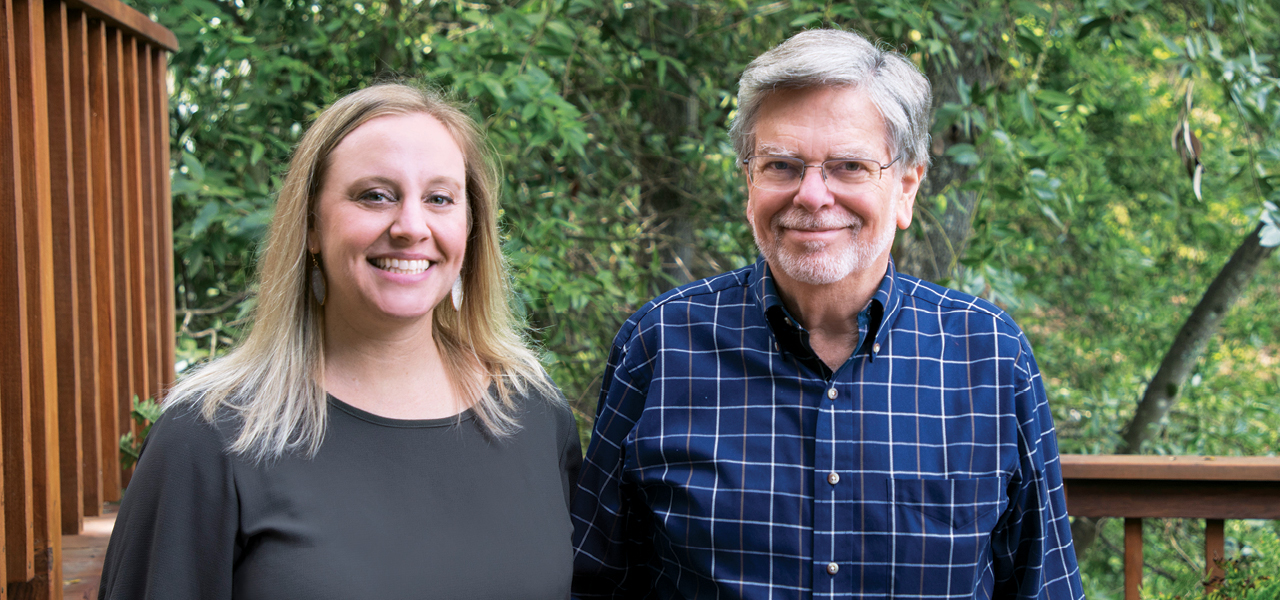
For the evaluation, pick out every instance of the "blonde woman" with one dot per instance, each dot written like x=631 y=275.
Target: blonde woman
x=383 y=431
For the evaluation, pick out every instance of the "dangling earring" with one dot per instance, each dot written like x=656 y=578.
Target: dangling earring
x=317 y=281
x=457 y=293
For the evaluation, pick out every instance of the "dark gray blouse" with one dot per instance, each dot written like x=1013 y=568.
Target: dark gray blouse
x=387 y=509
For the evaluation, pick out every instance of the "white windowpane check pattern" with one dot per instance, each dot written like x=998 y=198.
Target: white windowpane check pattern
x=729 y=462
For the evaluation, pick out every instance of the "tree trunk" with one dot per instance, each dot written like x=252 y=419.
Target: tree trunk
x=666 y=182
x=933 y=246
x=1181 y=358
x=388 y=56
x=1191 y=340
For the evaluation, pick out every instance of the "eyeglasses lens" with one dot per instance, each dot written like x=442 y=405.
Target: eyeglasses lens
x=783 y=174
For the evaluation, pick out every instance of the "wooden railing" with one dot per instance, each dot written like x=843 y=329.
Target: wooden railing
x=86 y=307
x=1190 y=487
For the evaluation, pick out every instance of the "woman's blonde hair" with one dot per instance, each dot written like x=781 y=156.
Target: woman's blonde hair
x=273 y=382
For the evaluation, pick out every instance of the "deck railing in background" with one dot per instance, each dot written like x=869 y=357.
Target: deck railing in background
x=1188 y=487
x=86 y=306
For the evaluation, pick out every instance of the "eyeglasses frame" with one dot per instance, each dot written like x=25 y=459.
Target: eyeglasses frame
x=820 y=166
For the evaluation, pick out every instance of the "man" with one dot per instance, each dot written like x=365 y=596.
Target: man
x=821 y=425
x=818 y=424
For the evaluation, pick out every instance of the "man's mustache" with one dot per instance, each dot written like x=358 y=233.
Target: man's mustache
x=795 y=218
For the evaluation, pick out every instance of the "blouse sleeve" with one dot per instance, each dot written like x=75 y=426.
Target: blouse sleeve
x=175 y=535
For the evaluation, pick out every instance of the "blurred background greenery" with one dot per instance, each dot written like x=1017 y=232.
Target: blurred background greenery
x=1059 y=188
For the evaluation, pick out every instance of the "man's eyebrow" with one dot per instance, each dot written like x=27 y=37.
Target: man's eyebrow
x=853 y=151
x=774 y=150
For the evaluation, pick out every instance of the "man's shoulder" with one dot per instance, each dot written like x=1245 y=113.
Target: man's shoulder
x=925 y=296
x=717 y=291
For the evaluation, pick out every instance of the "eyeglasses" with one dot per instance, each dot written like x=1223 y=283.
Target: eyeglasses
x=784 y=173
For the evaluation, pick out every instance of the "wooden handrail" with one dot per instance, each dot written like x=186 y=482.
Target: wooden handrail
x=134 y=23
x=1214 y=488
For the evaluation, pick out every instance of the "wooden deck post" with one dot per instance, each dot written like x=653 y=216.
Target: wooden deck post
x=1214 y=552
x=1132 y=558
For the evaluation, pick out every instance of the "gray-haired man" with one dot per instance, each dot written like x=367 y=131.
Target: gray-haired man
x=818 y=424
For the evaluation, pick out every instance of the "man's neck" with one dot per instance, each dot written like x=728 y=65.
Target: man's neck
x=829 y=312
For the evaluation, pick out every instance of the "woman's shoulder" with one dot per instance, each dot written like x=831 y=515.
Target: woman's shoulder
x=545 y=400
x=183 y=431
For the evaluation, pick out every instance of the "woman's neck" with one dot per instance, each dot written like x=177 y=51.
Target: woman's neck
x=396 y=373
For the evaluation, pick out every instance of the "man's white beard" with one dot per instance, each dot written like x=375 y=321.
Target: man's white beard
x=819 y=263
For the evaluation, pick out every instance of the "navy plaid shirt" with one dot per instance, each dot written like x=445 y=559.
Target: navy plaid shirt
x=728 y=461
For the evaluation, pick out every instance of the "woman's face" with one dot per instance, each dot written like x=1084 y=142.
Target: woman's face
x=391 y=220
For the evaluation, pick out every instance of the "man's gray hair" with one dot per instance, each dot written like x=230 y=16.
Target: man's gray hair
x=830 y=58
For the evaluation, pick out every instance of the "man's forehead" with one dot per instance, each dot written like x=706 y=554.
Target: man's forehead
x=840 y=149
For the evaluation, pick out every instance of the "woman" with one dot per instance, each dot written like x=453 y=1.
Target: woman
x=383 y=431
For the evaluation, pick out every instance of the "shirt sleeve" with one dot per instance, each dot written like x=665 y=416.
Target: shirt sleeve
x=1031 y=548
x=570 y=454
x=175 y=535
x=610 y=549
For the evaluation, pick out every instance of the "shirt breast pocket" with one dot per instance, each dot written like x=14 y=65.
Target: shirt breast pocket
x=943 y=533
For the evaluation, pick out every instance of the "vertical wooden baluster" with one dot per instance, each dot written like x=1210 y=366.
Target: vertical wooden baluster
x=82 y=194
x=150 y=234
x=136 y=240
x=66 y=272
x=160 y=108
x=14 y=373
x=104 y=261
x=121 y=234
x=34 y=175
x=1214 y=552
x=1132 y=558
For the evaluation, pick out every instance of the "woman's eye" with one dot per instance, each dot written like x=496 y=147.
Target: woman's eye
x=376 y=196
x=440 y=199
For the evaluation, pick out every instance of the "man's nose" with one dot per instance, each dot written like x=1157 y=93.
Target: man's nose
x=813 y=193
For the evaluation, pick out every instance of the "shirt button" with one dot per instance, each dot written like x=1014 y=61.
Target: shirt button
x=833 y=478
x=831 y=393
x=875 y=347
x=833 y=568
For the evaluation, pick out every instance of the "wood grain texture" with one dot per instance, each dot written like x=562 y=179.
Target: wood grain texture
x=104 y=262
x=120 y=16
x=66 y=270
x=1173 y=499
x=90 y=426
x=15 y=382
x=121 y=234
x=1215 y=551
x=34 y=178
x=86 y=318
x=1210 y=468
x=161 y=109
x=147 y=153
x=1132 y=558
x=136 y=238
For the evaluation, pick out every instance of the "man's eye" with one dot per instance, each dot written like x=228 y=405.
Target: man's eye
x=779 y=167
x=849 y=166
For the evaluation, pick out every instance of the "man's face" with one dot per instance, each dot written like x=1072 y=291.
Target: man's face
x=812 y=235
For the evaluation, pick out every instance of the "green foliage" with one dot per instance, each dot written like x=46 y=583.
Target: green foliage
x=1253 y=575
x=1052 y=160
x=144 y=414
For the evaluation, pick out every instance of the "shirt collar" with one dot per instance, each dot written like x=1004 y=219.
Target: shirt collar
x=793 y=338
